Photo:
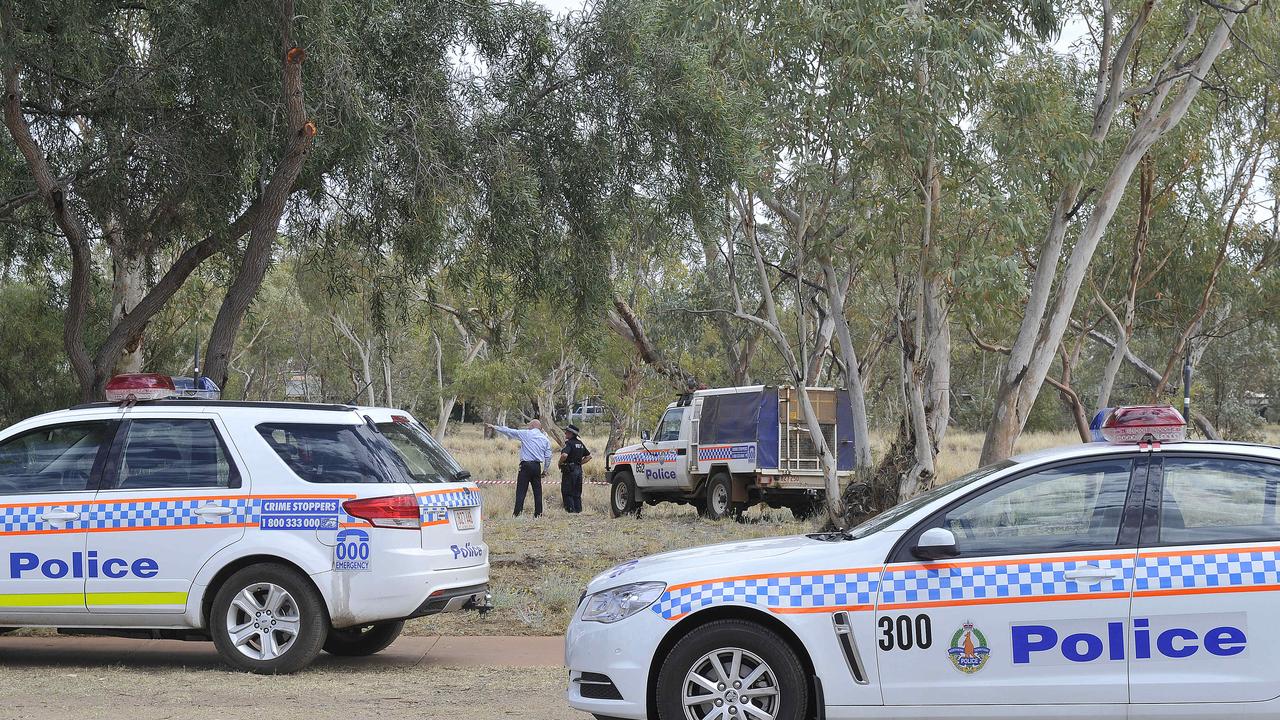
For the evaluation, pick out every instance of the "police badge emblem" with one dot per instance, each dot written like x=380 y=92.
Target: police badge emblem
x=969 y=651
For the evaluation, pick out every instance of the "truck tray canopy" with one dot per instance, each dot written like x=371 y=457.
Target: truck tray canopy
x=770 y=417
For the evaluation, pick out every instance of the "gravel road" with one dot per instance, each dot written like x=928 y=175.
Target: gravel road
x=38 y=683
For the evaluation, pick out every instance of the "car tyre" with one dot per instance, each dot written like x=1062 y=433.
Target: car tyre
x=622 y=495
x=719 y=500
x=362 y=640
x=268 y=619
x=770 y=674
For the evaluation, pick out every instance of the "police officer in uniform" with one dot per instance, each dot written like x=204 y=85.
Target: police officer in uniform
x=572 y=457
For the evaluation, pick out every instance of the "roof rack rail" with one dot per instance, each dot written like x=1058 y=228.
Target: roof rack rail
x=188 y=402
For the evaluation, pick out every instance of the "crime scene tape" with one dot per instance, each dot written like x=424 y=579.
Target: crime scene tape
x=513 y=482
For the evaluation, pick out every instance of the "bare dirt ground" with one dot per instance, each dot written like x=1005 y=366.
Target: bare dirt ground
x=44 y=682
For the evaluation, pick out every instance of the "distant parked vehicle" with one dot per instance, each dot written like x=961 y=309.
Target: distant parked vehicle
x=725 y=449
x=585 y=411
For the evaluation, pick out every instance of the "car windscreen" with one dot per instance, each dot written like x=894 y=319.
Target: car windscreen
x=893 y=514
x=427 y=461
x=323 y=453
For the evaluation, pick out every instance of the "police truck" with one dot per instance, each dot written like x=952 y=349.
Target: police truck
x=723 y=450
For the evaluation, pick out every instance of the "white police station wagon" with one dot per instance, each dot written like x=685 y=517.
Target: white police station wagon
x=275 y=529
x=1135 y=578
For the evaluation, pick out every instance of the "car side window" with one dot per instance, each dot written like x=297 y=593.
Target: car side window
x=174 y=453
x=59 y=458
x=1215 y=499
x=1064 y=508
x=669 y=428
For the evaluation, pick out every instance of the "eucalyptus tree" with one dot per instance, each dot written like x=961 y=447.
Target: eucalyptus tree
x=163 y=134
x=1188 y=37
x=139 y=135
x=1199 y=234
x=933 y=199
x=861 y=106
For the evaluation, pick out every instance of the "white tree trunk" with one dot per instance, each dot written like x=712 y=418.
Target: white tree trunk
x=364 y=349
x=854 y=386
x=444 y=409
x=128 y=287
x=771 y=325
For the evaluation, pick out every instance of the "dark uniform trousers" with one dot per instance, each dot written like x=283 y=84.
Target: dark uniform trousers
x=571 y=487
x=530 y=474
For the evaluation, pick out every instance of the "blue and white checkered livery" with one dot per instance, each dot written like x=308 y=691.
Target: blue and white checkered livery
x=828 y=590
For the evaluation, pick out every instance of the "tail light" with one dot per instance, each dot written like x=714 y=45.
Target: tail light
x=392 y=511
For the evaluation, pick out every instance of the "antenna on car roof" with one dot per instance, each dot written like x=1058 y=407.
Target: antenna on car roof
x=364 y=387
x=195 y=371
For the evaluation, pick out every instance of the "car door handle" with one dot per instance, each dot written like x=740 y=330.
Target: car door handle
x=1092 y=575
x=209 y=511
x=59 y=516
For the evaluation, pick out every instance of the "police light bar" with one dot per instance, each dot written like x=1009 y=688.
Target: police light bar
x=196 y=388
x=1148 y=423
x=139 y=387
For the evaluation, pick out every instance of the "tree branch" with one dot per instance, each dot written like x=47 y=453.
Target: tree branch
x=54 y=195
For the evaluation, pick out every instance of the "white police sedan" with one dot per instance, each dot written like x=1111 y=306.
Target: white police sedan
x=274 y=529
x=1111 y=580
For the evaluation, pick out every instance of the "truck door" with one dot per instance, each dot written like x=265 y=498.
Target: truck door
x=666 y=462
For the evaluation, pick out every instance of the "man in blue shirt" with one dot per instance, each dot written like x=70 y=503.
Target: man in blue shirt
x=535 y=460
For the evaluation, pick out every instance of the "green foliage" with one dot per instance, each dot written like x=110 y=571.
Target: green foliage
x=34 y=375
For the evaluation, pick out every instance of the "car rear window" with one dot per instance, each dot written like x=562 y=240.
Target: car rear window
x=427 y=461
x=333 y=454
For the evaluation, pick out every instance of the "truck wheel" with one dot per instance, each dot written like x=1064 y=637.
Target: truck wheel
x=622 y=495
x=268 y=619
x=362 y=640
x=720 y=496
x=733 y=665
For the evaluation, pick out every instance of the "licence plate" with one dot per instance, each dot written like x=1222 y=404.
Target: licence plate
x=464 y=518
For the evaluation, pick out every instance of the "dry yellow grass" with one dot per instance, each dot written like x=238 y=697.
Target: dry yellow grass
x=497 y=459
x=540 y=566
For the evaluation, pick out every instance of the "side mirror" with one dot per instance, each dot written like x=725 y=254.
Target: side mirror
x=462 y=475
x=936 y=544
x=644 y=435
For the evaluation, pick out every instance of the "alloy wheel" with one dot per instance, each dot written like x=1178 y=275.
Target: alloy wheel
x=263 y=621
x=730 y=684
